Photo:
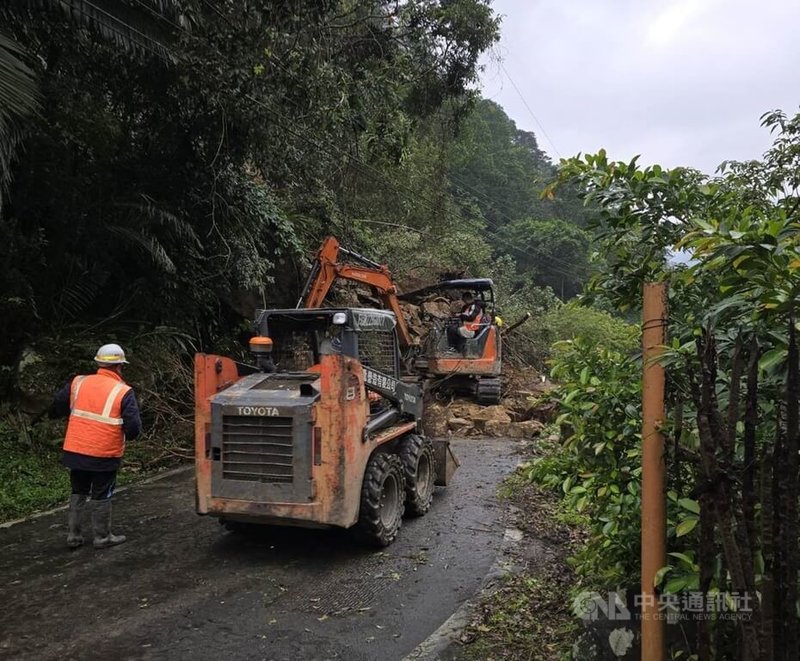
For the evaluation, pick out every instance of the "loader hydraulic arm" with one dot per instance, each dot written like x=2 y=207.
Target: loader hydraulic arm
x=327 y=269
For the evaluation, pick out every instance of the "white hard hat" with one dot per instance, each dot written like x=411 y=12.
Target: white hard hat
x=110 y=354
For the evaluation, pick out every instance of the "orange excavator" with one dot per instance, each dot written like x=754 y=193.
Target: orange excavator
x=327 y=269
x=474 y=369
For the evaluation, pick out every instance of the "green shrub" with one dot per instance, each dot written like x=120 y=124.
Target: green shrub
x=31 y=476
x=595 y=328
x=553 y=322
x=597 y=468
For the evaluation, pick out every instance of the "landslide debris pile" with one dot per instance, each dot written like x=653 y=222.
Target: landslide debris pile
x=521 y=414
x=419 y=316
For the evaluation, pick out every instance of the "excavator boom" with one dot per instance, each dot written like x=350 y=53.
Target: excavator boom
x=327 y=269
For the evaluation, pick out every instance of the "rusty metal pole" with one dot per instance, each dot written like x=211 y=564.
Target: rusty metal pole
x=654 y=509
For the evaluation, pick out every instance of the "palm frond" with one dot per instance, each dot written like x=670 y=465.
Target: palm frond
x=79 y=292
x=148 y=210
x=146 y=243
x=19 y=99
x=139 y=26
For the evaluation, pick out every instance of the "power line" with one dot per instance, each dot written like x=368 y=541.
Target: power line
x=525 y=103
x=128 y=26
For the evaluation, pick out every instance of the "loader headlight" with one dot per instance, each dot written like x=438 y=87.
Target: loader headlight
x=340 y=318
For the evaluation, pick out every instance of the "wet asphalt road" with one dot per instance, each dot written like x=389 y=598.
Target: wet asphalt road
x=181 y=588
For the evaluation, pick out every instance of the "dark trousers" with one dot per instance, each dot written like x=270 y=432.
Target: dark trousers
x=97 y=484
x=455 y=339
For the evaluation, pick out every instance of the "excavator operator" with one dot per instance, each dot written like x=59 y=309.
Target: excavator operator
x=468 y=323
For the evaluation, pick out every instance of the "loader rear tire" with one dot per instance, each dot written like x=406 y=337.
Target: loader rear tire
x=382 y=494
x=419 y=465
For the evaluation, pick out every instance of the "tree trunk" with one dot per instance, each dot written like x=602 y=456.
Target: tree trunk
x=778 y=572
x=713 y=435
x=737 y=367
x=767 y=544
x=750 y=425
x=706 y=557
x=790 y=495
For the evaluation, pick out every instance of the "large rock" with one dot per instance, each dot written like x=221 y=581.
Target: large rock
x=459 y=425
x=438 y=308
x=496 y=428
x=526 y=429
x=491 y=420
x=497 y=413
x=465 y=409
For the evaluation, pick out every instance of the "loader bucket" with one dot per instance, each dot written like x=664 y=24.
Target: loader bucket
x=446 y=462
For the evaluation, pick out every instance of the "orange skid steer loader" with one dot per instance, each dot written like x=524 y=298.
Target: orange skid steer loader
x=319 y=431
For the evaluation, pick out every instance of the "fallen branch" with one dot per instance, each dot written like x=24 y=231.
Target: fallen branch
x=516 y=324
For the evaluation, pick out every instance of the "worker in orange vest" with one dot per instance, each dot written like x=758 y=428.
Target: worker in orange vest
x=103 y=414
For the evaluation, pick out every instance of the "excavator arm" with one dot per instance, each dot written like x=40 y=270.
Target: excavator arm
x=327 y=269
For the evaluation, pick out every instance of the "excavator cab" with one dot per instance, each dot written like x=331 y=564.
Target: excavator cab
x=474 y=363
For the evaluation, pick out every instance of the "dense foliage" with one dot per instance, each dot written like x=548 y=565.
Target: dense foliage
x=598 y=467
x=732 y=371
x=170 y=165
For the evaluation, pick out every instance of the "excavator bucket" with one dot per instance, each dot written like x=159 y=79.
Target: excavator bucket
x=446 y=462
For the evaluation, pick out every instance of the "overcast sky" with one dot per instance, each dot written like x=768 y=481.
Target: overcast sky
x=681 y=82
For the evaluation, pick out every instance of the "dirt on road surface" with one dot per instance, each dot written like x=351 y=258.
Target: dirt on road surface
x=181 y=588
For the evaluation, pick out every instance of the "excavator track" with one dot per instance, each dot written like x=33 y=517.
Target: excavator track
x=487 y=390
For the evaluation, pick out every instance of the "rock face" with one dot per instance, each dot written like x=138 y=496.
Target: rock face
x=525 y=429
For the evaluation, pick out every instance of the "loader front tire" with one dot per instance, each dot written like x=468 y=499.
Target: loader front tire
x=419 y=465
x=382 y=501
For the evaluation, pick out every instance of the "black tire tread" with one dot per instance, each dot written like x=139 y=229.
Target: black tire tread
x=370 y=529
x=411 y=448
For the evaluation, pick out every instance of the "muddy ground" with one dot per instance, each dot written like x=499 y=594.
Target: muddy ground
x=181 y=588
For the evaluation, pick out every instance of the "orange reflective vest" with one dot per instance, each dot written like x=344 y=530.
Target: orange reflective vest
x=95 y=419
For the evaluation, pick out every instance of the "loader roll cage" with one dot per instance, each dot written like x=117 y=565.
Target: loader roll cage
x=300 y=337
